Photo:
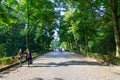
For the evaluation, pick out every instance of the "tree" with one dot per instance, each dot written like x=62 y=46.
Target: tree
x=24 y=17
x=114 y=7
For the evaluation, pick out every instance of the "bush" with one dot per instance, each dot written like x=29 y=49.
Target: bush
x=9 y=61
x=0 y=61
x=106 y=58
x=2 y=51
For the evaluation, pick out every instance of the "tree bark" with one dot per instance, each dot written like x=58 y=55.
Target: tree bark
x=27 y=39
x=116 y=26
x=28 y=27
x=86 y=41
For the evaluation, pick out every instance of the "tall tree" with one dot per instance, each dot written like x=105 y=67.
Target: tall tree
x=114 y=7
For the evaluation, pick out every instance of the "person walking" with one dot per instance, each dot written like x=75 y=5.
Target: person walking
x=28 y=57
x=20 y=56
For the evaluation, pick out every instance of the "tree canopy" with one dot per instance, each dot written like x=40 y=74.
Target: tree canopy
x=89 y=25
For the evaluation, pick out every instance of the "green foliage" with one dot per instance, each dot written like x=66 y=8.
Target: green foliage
x=89 y=24
x=2 y=51
x=55 y=43
x=105 y=58
x=104 y=45
x=31 y=22
x=17 y=18
x=6 y=61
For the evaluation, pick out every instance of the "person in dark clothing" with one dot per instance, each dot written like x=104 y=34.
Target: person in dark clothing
x=28 y=57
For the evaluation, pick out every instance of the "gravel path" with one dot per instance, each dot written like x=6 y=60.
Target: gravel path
x=62 y=66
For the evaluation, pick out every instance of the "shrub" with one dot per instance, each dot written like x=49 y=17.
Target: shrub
x=106 y=58
x=2 y=51
x=9 y=61
x=6 y=60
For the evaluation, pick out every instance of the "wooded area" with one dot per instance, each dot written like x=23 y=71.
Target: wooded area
x=92 y=25
x=83 y=25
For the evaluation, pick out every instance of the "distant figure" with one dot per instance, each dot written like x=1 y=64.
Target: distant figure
x=28 y=57
x=60 y=49
x=20 y=56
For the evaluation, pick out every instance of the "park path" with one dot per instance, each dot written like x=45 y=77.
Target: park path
x=62 y=66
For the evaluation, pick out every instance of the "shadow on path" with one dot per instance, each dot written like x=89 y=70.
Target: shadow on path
x=1 y=76
x=38 y=79
x=68 y=63
x=7 y=71
x=44 y=79
x=62 y=55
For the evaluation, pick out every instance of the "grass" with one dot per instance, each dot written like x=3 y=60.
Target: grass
x=106 y=58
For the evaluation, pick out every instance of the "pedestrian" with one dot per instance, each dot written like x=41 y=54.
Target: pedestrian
x=20 y=56
x=28 y=57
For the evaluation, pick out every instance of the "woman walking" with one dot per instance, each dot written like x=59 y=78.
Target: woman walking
x=20 y=56
x=28 y=57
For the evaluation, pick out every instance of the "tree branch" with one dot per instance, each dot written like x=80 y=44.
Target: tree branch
x=99 y=9
x=37 y=21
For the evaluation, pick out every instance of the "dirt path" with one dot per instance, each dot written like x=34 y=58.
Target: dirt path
x=62 y=66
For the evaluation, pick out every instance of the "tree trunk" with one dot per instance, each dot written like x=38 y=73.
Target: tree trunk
x=72 y=45
x=116 y=26
x=86 y=41
x=28 y=31
x=27 y=39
